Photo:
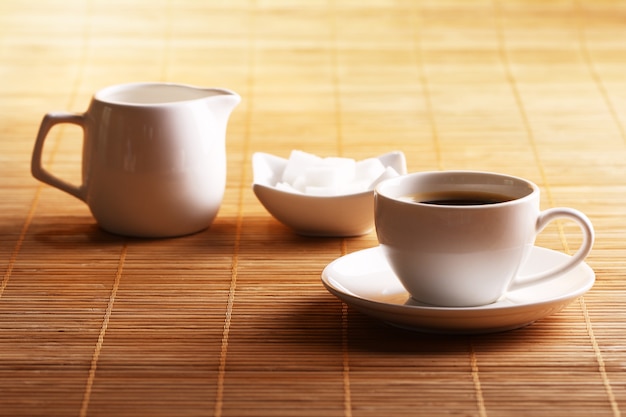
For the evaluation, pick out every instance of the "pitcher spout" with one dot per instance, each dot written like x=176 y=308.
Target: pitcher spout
x=222 y=101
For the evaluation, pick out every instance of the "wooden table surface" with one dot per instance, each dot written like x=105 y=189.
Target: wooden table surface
x=234 y=320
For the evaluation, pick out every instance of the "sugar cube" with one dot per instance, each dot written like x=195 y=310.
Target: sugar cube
x=297 y=164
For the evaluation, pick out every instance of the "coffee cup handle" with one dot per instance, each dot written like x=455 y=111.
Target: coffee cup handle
x=37 y=168
x=546 y=217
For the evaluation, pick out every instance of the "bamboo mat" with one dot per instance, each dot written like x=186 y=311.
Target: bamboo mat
x=234 y=321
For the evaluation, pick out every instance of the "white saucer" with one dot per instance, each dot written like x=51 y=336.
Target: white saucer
x=364 y=281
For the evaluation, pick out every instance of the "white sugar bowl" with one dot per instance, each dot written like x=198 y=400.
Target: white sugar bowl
x=322 y=196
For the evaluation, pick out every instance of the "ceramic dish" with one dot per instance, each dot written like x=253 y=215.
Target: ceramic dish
x=343 y=215
x=364 y=281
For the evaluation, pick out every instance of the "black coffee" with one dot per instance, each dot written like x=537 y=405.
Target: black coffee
x=458 y=198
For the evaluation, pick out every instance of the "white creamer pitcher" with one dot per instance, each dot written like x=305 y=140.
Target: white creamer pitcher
x=154 y=157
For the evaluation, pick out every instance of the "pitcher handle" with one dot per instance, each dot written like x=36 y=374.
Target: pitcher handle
x=546 y=217
x=37 y=168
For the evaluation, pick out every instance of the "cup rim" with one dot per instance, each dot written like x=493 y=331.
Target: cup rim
x=384 y=188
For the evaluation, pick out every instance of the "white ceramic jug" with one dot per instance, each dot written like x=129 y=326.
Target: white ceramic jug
x=154 y=157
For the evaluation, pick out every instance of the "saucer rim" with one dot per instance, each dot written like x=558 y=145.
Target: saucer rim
x=466 y=318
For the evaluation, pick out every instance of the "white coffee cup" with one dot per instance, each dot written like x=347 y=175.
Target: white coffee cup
x=454 y=255
x=154 y=157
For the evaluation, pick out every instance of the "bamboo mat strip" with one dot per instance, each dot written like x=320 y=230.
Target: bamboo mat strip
x=107 y=316
x=480 y=400
x=18 y=244
x=347 y=393
x=345 y=351
x=421 y=76
x=601 y=365
x=219 y=402
x=584 y=48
